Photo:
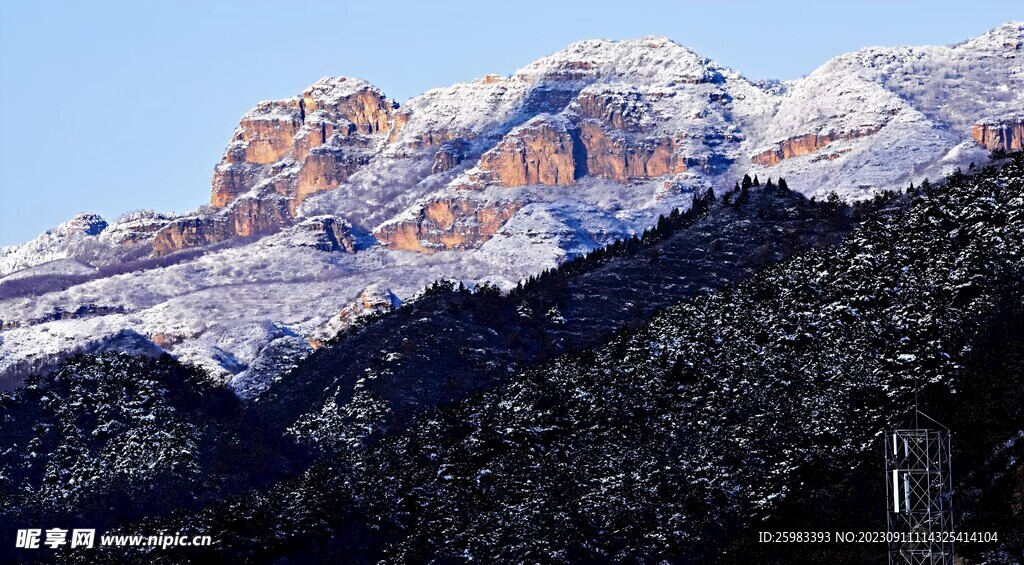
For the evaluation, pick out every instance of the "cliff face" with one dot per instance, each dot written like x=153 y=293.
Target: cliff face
x=539 y=152
x=268 y=132
x=290 y=148
x=618 y=108
x=805 y=145
x=598 y=142
x=253 y=216
x=246 y=217
x=1007 y=135
x=449 y=155
x=196 y=231
x=322 y=132
x=623 y=112
x=615 y=157
x=324 y=168
x=447 y=223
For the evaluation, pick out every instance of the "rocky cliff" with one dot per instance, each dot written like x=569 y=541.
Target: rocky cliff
x=1007 y=134
x=805 y=145
x=446 y=224
x=288 y=148
x=540 y=151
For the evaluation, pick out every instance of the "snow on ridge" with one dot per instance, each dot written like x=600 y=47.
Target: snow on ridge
x=332 y=90
x=51 y=245
x=655 y=60
x=918 y=101
x=1006 y=36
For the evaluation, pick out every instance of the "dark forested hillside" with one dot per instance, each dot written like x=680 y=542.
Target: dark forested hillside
x=112 y=437
x=675 y=440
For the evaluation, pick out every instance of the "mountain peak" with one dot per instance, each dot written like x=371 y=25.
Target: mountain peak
x=1009 y=36
x=86 y=223
x=653 y=60
x=331 y=90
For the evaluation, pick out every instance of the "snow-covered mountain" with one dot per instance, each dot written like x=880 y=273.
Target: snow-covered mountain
x=322 y=195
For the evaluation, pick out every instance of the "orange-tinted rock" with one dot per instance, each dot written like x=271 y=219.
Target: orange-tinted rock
x=447 y=223
x=231 y=180
x=251 y=216
x=245 y=217
x=613 y=156
x=1007 y=135
x=165 y=340
x=268 y=131
x=185 y=233
x=449 y=155
x=805 y=145
x=325 y=168
x=316 y=134
x=538 y=152
x=400 y=119
x=361 y=104
x=615 y=108
x=282 y=152
x=337 y=111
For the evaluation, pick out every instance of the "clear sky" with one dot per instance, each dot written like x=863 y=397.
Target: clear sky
x=115 y=106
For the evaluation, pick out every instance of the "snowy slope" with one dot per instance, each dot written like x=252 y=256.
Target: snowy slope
x=922 y=100
x=51 y=245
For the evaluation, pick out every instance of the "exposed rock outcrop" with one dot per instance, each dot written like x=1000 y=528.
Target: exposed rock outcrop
x=805 y=145
x=449 y=156
x=1007 y=134
x=193 y=231
x=354 y=100
x=232 y=179
x=267 y=133
x=554 y=151
x=246 y=217
x=339 y=112
x=375 y=298
x=251 y=216
x=614 y=156
x=327 y=233
x=620 y=108
x=538 y=152
x=281 y=153
x=447 y=223
x=325 y=168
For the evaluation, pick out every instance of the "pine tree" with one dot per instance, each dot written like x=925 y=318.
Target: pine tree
x=756 y=182
x=747 y=183
x=782 y=184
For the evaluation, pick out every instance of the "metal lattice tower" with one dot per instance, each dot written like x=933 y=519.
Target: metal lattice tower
x=919 y=492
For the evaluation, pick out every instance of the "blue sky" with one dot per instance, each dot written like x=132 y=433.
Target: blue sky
x=115 y=106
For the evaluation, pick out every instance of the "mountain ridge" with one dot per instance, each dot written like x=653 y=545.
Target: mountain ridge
x=492 y=180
